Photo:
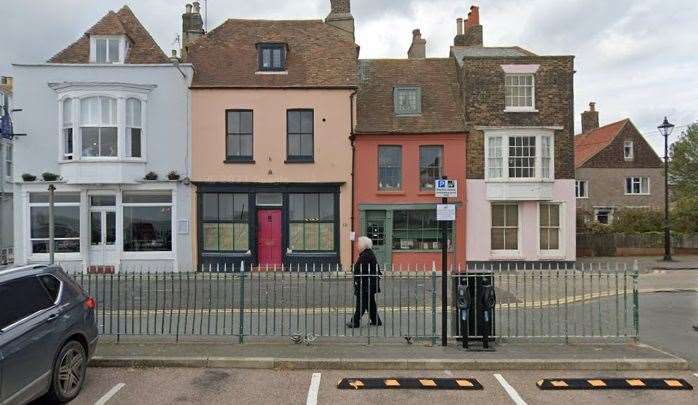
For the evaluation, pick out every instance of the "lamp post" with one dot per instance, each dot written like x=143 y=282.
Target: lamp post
x=666 y=128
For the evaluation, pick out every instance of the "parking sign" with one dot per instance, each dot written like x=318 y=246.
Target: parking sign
x=446 y=188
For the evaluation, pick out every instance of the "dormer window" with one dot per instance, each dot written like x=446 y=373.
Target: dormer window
x=408 y=100
x=628 y=151
x=272 y=57
x=108 y=49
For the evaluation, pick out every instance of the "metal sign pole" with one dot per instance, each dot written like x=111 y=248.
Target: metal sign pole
x=444 y=279
x=51 y=236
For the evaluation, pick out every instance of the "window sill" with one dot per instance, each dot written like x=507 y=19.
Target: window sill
x=426 y=192
x=637 y=194
x=104 y=160
x=398 y=251
x=519 y=180
x=271 y=72
x=520 y=110
x=249 y=161
x=388 y=192
x=583 y=198
x=299 y=161
x=505 y=255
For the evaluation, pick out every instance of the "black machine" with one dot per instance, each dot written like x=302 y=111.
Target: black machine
x=475 y=303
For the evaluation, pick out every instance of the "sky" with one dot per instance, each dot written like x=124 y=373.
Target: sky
x=636 y=59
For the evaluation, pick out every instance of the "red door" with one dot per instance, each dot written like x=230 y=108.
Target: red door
x=269 y=237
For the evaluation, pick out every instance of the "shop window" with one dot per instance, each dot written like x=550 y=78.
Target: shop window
x=225 y=222
x=312 y=222
x=147 y=222
x=417 y=230
x=66 y=222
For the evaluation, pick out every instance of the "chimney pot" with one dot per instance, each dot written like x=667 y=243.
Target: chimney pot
x=590 y=119
x=416 y=34
x=188 y=8
x=459 y=25
x=197 y=7
x=418 y=49
x=174 y=53
x=592 y=106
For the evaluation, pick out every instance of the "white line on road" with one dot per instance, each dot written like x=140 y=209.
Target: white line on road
x=313 y=390
x=110 y=394
x=510 y=390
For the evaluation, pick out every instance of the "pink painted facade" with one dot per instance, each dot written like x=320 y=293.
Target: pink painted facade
x=372 y=202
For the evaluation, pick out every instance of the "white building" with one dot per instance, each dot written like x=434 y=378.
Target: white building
x=6 y=169
x=100 y=115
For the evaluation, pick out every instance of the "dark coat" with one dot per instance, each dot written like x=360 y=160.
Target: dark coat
x=367 y=273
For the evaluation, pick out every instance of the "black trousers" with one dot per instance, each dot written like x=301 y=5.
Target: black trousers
x=365 y=302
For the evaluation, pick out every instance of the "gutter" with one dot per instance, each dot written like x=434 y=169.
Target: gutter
x=352 y=137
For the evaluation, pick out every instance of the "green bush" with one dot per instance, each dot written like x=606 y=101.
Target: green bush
x=597 y=228
x=684 y=215
x=637 y=220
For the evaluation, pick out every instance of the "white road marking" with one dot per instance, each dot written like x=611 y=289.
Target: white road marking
x=515 y=397
x=313 y=390
x=110 y=394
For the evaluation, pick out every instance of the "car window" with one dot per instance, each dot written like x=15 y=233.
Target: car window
x=20 y=298
x=52 y=286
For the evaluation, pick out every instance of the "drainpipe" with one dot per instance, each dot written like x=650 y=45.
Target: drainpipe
x=352 y=137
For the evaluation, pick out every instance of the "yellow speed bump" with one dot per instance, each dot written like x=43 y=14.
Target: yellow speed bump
x=614 y=384
x=409 y=383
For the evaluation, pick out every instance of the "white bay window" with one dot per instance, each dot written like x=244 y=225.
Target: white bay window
x=98 y=127
x=519 y=156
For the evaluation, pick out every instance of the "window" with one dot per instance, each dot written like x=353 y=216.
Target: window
x=581 y=189
x=549 y=217
x=21 y=298
x=430 y=166
x=8 y=160
x=517 y=156
x=238 y=144
x=272 y=57
x=312 y=222
x=107 y=50
x=408 y=100
x=520 y=92
x=68 y=143
x=604 y=215
x=269 y=199
x=637 y=185
x=300 y=127
x=505 y=227
x=628 y=151
x=147 y=222
x=66 y=222
x=225 y=222
x=134 y=128
x=390 y=167
x=98 y=127
x=51 y=285
x=417 y=230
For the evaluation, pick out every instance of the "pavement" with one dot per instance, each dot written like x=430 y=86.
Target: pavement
x=645 y=263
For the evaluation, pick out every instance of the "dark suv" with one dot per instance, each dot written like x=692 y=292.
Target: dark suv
x=48 y=332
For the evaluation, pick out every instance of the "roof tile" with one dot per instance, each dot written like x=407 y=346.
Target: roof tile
x=588 y=144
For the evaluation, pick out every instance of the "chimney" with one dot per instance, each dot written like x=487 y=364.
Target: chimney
x=459 y=26
x=418 y=49
x=471 y=34
x=192 y=26
x=590 y=119
x=174 y=58
x=340 y=17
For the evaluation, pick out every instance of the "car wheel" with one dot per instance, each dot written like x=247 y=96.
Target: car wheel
x=68 y=372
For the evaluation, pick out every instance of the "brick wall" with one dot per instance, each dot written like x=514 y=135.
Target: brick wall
x=483 y=94
x=607 y=188
x=613 y=157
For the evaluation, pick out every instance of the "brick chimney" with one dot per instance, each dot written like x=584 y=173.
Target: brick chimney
x=340 y=17
x=469 y=32
x=192 y=26
x=418 y=49
x=590 y=119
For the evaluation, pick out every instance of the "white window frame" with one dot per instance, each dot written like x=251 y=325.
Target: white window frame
x=505 y=135
x=636 y=180
x=577 y=187
x=562 y=229
x=507 y=253
x=611 y=214
x=146 y=255
x=29 y=205
x=522 y=71
x=123 y=48
x=628 y=146
x=9 y=154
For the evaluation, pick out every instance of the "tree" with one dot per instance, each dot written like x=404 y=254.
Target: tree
x=637 y=220
x=683 y=172
x=684 y=215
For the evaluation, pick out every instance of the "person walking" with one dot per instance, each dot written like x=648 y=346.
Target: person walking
x=366 y=284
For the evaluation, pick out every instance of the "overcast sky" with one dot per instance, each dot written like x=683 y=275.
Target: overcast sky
x=635 y=58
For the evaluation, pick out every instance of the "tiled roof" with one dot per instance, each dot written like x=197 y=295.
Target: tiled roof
x=319 y=55
x=143 y=48
x=461 y=52
x=442 y=109
x=588 y=144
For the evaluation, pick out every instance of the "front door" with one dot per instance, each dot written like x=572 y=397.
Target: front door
x=103 y=253
x=269 y=238
x=376 y=230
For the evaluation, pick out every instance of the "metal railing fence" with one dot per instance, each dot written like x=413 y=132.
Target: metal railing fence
x=309 y=302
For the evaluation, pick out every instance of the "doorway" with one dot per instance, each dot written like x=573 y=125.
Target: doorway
x=269 y=237
x=377 y=231
x=103 y=253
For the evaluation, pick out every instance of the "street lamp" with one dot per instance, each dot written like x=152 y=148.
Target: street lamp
x=666 y=129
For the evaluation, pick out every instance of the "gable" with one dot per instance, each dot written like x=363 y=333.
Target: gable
x=612 y=155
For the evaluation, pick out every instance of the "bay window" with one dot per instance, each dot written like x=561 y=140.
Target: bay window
x=68 y=129
x=98 y=126
x=519 y=155
x=66 y=222
x=312 y=222
x=225 y=222
x=147 y=221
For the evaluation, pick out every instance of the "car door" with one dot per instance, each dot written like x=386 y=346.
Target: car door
x=27 y=338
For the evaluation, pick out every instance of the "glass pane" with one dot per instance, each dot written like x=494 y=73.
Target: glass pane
x=511 y=236
x=90 y=142
x=210 y=237
x=497 y=239
x=307 y=122
x=114 y=50
x=312 y=236
x=294 y=145
x=295 y=239
x=326 y=207
x=226 y=207
x=101 y=49
x=555 y=215
x=242 y=237
x=147 y=229
x=233 y=122
x=498 y=212
x=57 y=197
x=276 y=58
x=241 y=204
x=554 y=239
x=512 y=218
x=246 y=145
x=544 y=215
x=135 y=143
x=103 y=200
x=95 y=228
x=544 y=239
x=108 y=108
x=306 y=145
x=294 y=122
x=311 y=207
x=274 y=199
x=131 y=197
x=67 y=112
x=108 y=142
x=327 y=237
x=133 y=112
x=66 y=222
x=68 y=141
x=210 y=207
x=227 y=239
x=266 y=58
x=111 y=228
x=295 y=206
x=246 y=122
x=89 y=111
x=233 y=145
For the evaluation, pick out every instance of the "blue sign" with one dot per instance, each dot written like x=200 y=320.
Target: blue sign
x=6 y=125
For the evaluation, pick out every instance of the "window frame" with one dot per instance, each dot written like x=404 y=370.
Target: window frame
x=30 y=240
x=441 y=168
x=52 y=302
x=628 y=146
x=128 y=149
x=520 y=70
x=399 y=167
x=561 y=228
x=577 y=187
x=418 y=107
x=506 y=252
x=247 y=221
x=335 y=223
x=173 y=229
x=532 y=86
x=450 y=231
x=299 y=158
x=8 y=159
x=271 y=46
x=123 y=48
x=239 y=158
x=631 y=181
x=505 y=135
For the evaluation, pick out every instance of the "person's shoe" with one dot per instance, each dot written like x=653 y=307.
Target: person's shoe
x=352 y=325
x=379 y=323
